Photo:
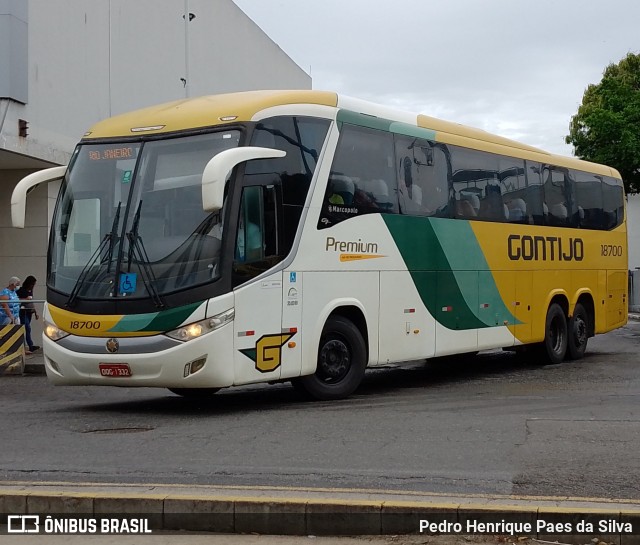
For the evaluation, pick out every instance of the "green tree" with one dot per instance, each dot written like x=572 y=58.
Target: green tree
x=606 y=128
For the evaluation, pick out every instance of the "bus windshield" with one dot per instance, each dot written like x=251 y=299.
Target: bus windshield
x=129 y=220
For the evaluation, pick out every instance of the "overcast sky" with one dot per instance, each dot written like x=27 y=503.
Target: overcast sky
x=517 y=68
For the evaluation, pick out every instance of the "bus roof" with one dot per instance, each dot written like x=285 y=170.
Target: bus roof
x=212 y=110
x=205 y=111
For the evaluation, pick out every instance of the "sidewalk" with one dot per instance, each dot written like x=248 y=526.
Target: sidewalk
x=323 y=511
x=34 y=363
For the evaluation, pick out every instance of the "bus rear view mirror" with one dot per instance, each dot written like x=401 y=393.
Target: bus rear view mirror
x=19 y=195
x=219 y=168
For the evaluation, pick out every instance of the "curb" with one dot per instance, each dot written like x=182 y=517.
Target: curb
x=290 y=511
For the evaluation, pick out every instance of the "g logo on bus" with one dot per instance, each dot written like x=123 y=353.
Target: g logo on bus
x=267 y=354
x=113 y=345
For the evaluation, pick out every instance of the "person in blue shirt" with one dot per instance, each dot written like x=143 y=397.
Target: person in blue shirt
x=10 y=303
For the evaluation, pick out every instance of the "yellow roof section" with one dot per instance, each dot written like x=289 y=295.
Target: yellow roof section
x=448 y=132
x=439 y=125
x=203 y=111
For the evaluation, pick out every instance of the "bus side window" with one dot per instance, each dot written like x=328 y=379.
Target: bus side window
x=423 y=184
x=257 y=247
x=249 y=240
x=558 y=198
x=362 y=179
x=588 y=193
x=534 y=194
x=612 y=203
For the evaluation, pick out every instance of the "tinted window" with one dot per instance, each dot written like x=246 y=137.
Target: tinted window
x=558 y=205
x=257 y=244
x=302 y=138
x=423 y=170
x=534 y=195
x=612 y=202
x=514 y=190
x=588 y=195
x=362 y=178
x=476 y=184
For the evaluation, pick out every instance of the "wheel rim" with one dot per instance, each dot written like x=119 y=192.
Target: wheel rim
x=334 y=361
x=579 y=331
x=556 y=335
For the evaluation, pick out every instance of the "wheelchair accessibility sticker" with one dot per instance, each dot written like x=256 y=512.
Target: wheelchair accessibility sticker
x=128 y=282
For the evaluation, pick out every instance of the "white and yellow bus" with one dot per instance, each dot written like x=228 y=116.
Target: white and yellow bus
x=305 y=236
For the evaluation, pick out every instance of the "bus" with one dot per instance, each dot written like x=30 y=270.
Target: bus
x=306 y=236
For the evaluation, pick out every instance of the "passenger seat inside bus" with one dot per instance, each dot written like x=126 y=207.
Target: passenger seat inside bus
x=380 y=192
x=468 y=205
x=517 y=210
x=343 y=187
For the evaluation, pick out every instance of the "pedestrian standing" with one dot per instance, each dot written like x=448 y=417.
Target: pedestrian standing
x=10 y=303
x=28 y=310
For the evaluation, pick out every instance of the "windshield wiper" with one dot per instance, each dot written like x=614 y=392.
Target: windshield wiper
x=137 y=250
x=109 y=239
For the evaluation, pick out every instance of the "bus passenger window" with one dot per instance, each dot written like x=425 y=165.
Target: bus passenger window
x=612 y=203
x=557 y=200
x=362 y=179
x=423 y=185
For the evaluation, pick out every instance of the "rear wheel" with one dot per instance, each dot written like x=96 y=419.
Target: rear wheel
x=555 y=337
x=342 y=358
x=194 y=393
x=578 y=333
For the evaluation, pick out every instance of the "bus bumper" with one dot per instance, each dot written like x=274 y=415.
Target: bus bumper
x=169 y=368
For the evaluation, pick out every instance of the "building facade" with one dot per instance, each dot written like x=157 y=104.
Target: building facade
x=65 y=64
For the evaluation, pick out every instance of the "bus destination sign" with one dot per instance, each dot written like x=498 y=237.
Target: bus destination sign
x=110 y=154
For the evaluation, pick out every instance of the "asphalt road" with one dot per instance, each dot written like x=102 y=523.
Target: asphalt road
x=489 y=424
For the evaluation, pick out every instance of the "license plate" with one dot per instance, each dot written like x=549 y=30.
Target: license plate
x=115 y=370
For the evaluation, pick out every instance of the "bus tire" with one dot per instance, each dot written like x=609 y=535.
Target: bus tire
x=194 y=393
x=578 y=333
x=555 y=334
x=342 y=359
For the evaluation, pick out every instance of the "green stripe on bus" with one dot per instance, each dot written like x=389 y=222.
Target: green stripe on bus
x=372 y=122
x=443 y=258
x=172 y=318
x=165 y=320
x=361 y=120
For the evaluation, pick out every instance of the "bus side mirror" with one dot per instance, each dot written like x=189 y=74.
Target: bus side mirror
x=19 y=195
x=217 y=171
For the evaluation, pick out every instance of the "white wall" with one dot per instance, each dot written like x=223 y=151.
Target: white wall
x=91 y=60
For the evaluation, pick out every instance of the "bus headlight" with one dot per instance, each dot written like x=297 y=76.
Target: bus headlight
x=197 y=329
x=54 y=332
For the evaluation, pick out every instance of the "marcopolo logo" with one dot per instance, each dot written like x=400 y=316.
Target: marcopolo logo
x=352 y=250
x=540 y=248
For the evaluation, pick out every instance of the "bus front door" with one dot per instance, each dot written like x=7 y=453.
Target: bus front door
x=258 y=337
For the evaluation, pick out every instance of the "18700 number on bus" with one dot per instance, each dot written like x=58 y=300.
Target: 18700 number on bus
x=610 y=250
x=84 y=325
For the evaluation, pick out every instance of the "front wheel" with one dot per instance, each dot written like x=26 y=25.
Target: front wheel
x=578 y=333
x=342 y=358
x=194 y=393
x=555 y=337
